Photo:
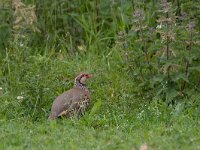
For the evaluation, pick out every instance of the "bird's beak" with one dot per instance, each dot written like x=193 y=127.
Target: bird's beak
x=89 y=76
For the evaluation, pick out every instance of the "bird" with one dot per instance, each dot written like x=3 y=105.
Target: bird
x=72 y=102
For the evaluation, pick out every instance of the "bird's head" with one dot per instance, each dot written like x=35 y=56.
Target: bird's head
x=81 y=78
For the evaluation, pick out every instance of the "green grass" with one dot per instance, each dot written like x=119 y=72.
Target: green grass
x=182 y=133
x=132 y=102
x=118 y=117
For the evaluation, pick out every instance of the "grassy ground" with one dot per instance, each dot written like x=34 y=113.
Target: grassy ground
x=118 y=117
x=73 y=134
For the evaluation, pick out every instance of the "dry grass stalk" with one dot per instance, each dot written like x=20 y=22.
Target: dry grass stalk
x=24 y=19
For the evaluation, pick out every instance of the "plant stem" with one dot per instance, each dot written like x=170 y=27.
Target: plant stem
x=187 y=62
x=179 y=8
x=168 y=68
x=190 y=48
x=97 y=14
x=133 y=5
x=144 y=43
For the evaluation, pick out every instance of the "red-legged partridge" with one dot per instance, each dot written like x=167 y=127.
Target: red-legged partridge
x=73 y=101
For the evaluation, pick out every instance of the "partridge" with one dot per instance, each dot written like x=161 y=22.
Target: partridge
x=73 y=101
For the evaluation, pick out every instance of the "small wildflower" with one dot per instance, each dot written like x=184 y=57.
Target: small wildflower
x=139 y=14
x=20 y=97
x=159 y=26
x=80 y=47
x=165 y=5
x=1 y=92
x=21 y=44
x=191 y=26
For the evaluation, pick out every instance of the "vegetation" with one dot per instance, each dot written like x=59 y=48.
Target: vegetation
x=145 y=58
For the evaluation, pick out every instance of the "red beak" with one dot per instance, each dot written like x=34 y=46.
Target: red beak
x=89 y=76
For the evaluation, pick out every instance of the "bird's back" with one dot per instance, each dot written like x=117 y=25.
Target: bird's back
x=66 y=102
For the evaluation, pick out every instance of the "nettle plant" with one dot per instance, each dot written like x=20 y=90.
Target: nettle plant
x=165 y=58
x=176 y=56
x=166 y=64
x=140 y=52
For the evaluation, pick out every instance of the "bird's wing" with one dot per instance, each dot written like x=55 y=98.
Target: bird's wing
x=66 y=102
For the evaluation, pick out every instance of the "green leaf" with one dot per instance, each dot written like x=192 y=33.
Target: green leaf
x=4 y=33
x=95 y=108
x=180 y=76
x=170 y=94
x=160 y=90
x=197 y=68
x=158 y=78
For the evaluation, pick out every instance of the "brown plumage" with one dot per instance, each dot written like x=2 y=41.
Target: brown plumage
x=73 y=101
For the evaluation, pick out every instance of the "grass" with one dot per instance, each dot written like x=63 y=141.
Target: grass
x=182 y=133
x=43 y=48
x=118 y=117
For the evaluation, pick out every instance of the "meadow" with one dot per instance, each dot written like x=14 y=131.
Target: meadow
x=144 y=58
